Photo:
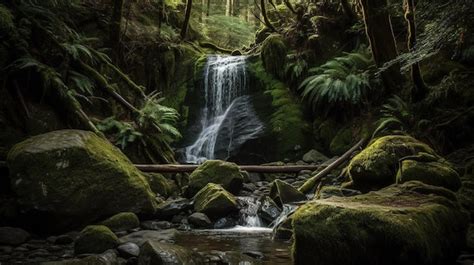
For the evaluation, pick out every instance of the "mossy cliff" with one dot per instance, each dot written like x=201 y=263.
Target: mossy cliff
x=411 y=223
x=75 y=177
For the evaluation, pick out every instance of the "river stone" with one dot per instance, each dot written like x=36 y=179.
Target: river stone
x=224 y=222
x=73 y=177
x=107 y=258
x=122 y=222
x=377 y=165
x=172 y=207
x=313 y=156
x=227 y=174
x=410 y=223
x=199 y=220
x=128 y=250
x=153 y=252
x=95 y=239
x=268 y=209
x=283 y=193
x=214 y=201
x=13 y=236
x=433 y=173
x=142 y=236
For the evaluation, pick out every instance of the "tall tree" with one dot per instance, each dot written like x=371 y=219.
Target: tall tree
x=116 y=27
x=382 y=41
x=419 y=90
x=268 y=24
x=208 y=7
x=187 y=16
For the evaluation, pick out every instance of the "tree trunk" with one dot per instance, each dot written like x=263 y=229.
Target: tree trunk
x=348 y=10
x=419 y=89
x=208 y=7
x=116 y=27
x=382 y=41
x=268 y=24
x=187 y=16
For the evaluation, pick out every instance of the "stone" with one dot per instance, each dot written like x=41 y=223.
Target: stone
x=329 y=191
x=122 y=222
x=156 y=225
x=433 y=173
x=283 y=193
x=224 y=222
x=159 y=184
x=142 y=236
x=153 y=252
x=199 y=220
x=214 y=201
x=13 y=236
x=95 y=239
x=75 y=177
x=172 y=207
x=107 y=258
x=410 y=223
x=268 y=209
x=313 y=156
x=128 y=250
x=227 y=174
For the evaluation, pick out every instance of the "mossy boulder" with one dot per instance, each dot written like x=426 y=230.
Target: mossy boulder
x=377 y=165
x=410 y=223
x=122 y=222
x=95 y=239
x=219 y=172
x=433 y=173
x=274 y=51
x=283 y=193
x=214 y=201
x=161 y=185
x=72 y=177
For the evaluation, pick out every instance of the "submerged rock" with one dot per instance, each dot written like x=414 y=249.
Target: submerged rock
x=95 y=239
x=73 y=177
x=122 y=222
x=13 y=236
x=411 y=223
x=152 y=253
x=227 y=174
x=283 y=193
x=214 y=201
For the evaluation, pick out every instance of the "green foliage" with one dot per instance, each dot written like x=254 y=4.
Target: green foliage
x=341 y=82
x=123 y=132
x=227 y=31
x=296 y=69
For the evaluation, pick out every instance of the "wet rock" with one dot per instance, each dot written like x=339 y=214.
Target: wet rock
x=283 y=193
x=329 y=191
x=178 y=218
x=412 y=223
x=249 y=187
x=107 y=258
x=153 y=252
x=171 y=207
x=254 y=177
x=95 y=239
x=159 y=184
x=61 y=163
x=225 y=222
x=227 y=174
x=128 y=250
x=141 y=237
x=156 y=225
x=122 y=222
x=255 y=254
x=199 y=220
x=214 y=201
x=283 y=230
x=13 y=236
x=268 y=210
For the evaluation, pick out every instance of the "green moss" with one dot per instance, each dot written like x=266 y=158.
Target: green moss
x=433 y=173
x=95 y=239
x=342 y=141
x=377 y=165
x=160 y=184
x=77 y=176
x=273 y=55
x=215 y=171
x=409 y=224
x=214 y=201
x=122 y=222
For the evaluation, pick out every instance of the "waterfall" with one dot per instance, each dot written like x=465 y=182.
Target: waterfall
x=228 y=119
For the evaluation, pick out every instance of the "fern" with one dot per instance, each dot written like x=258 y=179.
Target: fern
x=343 y=81
x=123 y=132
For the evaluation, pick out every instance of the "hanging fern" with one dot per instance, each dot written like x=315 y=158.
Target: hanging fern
x=340 y=82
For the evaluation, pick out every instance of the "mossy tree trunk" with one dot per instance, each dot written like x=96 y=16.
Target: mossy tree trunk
x=419 y=89
x=208 y=8
x=187 y=16
x=116 y=28
x=382 y=41
x=268 y=24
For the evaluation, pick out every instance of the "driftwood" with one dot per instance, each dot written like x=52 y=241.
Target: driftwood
x=311 y=183
x=170 y=168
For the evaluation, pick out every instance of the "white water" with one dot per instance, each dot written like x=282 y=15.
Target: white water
x=228 y=119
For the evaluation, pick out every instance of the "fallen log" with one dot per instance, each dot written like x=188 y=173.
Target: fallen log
x=311 y=183
x=171 y=168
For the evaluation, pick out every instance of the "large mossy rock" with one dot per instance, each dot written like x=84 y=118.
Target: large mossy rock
x=214 y=201
x=122 y=222
x=410 y=223
x=377 y=165
x=226 y=174
x=95 y=239
x=160 y=184
x=433 y=173
x=283 y=193
x=273 y=55
x=72 y=177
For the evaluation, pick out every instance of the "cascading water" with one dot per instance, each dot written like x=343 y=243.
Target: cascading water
x=228 y=119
